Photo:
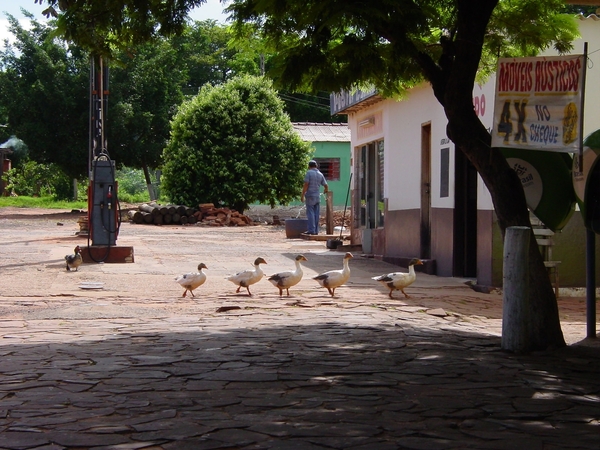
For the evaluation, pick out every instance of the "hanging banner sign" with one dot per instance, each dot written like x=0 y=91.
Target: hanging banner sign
x=538 y=103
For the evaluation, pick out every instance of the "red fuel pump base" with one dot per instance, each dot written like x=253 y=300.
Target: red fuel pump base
x=107 y=254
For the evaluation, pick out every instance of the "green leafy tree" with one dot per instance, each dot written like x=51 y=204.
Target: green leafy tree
x=301 y=106
x=233 y=145
x=305 y=107
x=397 y=44
x=206 y=53
x=44 y=95
x=104 y=26
x=145 y=90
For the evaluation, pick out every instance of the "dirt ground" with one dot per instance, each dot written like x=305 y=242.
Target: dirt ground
x=35 y=285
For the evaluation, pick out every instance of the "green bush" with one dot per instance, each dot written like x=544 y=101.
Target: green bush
x=132 y=185
x=82 y=190
x=39 y=180
x=131 y=181
x=32 y=179
x=234 y=145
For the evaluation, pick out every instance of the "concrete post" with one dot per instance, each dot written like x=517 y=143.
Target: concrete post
x=515 y=307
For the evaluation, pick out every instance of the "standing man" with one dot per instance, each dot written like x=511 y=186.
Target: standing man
x=313 y=180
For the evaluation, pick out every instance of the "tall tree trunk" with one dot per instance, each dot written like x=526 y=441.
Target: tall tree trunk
x=454 y=89
x=151 y=191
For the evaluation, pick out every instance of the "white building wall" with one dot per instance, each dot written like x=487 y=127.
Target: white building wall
x=483 y=102
x=401 y=122
x=401 y=131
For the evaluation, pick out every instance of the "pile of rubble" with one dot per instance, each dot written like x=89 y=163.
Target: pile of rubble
x=207 y=214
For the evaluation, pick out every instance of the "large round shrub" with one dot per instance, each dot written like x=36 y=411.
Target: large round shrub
x=233 y=145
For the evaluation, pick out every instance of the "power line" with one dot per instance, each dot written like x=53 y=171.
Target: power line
x=304 y=102
x=302 y=99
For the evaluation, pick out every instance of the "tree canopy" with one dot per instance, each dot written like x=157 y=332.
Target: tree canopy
x=233 y=145
x=44 y=96
x=145 y=90
x=103 y=26
x=147 y=83
x=394 y=45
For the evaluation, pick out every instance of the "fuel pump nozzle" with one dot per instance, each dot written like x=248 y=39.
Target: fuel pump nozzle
x=109 y=197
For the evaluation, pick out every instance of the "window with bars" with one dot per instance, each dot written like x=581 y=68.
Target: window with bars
x=330 y=167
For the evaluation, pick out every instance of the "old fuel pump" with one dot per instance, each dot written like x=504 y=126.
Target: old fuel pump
x=103 y=205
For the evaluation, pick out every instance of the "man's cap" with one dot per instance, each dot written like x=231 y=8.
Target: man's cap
x=312 y=163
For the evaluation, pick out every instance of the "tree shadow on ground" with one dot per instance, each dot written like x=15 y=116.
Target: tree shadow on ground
x=222 y=381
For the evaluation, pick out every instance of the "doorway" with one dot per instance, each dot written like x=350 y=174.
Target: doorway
x=426 y=191
x=465 y=217
x=370 y=202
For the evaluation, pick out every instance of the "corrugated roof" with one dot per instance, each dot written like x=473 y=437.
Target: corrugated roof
x=322 y=132
x=591 y=16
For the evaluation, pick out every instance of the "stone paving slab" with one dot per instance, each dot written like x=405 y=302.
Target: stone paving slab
x=135 y=366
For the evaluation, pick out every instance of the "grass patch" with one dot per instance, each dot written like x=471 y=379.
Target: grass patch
x=40 y=202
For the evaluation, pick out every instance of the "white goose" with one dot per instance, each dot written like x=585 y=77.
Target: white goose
x=335 y=278
x=399 y=280
x=192 y=280
x=285 y=280
x=248 y=277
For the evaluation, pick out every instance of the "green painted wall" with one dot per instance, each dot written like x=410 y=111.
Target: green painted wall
x=336 y=150
x=339 y=188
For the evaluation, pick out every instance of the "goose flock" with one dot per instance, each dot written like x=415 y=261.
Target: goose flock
x=283 y=281
x=330 y=280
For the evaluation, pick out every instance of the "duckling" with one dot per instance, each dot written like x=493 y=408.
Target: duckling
x=248 y=277
x=399 y=280
x=192 y=280
x=74 y=260
x=335 y=278
x=285 y=280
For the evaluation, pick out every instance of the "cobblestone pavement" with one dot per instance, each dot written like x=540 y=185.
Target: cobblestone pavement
x=133 y=365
